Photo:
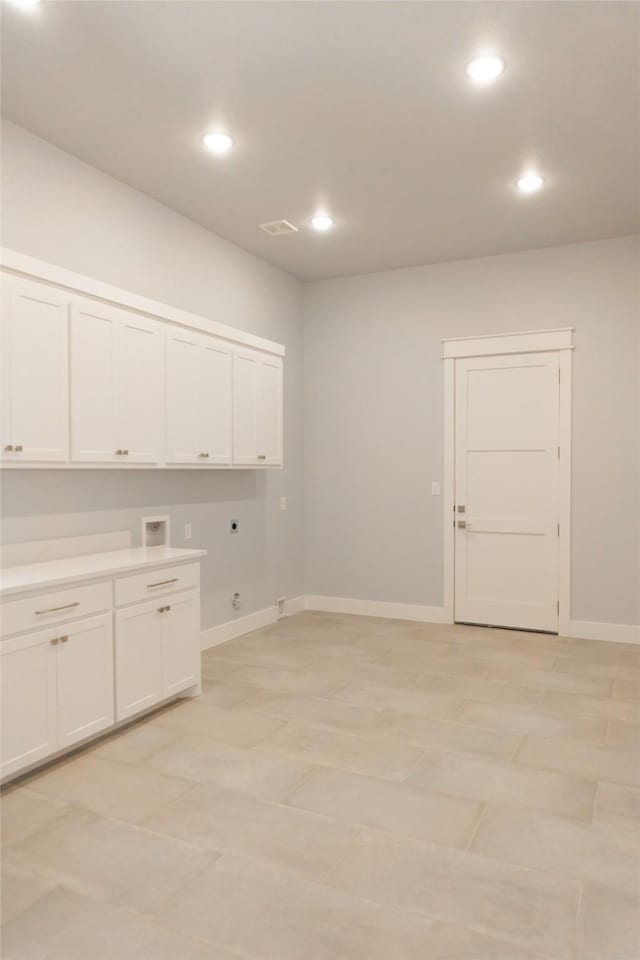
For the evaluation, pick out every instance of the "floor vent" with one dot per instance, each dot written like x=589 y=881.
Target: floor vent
x=277 y=228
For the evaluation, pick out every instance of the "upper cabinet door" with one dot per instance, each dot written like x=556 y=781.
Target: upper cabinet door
x=94 y=382
x=182 y=414
x=245 y=398
x=140 y=390
x=214 y=389
x=270 y=410
x=35 y=393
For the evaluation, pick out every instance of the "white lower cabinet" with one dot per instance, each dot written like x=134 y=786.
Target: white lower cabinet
x=67 y=682
x=85 y=679
x=157 y=651
x=29 y=709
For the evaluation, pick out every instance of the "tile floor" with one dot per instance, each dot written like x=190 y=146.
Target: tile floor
x=347 y=788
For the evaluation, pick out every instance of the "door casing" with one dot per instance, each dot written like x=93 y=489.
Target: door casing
x=559 y=341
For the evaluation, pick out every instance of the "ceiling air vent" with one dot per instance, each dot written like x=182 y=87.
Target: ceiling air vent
x=277 y=228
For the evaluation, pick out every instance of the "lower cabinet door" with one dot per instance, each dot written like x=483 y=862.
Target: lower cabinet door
x=28 y=688
x=139 y=672
x=181 y=643
x=85 y=679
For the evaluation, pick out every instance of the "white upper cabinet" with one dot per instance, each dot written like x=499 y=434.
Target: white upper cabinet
x=35 y=390
x=214 y=382
x=270 y=410
x=140 y=390
x=88 y=382
x=257 y=408
x=94 y=384
x=197 y=398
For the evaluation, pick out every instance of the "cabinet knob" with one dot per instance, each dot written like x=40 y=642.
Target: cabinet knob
x=18 y=448
x=122 y=453
x=262 y=456
x=126 y=453
x=55 y=641
x=9 y=446
x=64 y=639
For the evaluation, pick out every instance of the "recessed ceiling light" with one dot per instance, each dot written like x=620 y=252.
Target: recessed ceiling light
x=529 y=182
x=217 y=142
x=25 y=4
x=485 y=69
x=322 y=222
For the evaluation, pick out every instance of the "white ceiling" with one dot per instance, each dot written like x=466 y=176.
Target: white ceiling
x=359 y=107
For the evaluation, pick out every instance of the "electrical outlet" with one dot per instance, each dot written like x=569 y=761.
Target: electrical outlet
x=435 y=488
x=235 y=601
x=281 y=606
x=187 y=531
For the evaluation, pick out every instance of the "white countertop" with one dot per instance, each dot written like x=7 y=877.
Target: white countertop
x=55 y=573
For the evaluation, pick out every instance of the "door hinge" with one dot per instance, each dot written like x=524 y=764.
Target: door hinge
x=558 y=606
x=558 y=453
x=558 y=529
x=558 y=375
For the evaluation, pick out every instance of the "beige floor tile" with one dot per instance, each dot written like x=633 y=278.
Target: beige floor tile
x=552 y=680
x=307 y=844
x=625 y=735
x=532 y=720
x=579 y=667
x=627 y=690
x=510 y=784
x=379 y=695
x=109 y=787
x=481 y=689
x=580 y=759
x=262 y=912
x=218 y=666
x=445 y=666
x=237 y=727
x=555 y=701
x=20 y=889
x=448 y=735
x=66 y=926
x=310 y=681
x=110 y=860
x=346 y=751
x=134 y=744
x=618 y=810
x=23 y=812
x=608 y=925
x=257 y=772
x=506 y=654
x=501 y=900
x=396 y=807
x=561 y=846
x=269 y=653
x=223 y=694
x=316 y=710
x=457 y=943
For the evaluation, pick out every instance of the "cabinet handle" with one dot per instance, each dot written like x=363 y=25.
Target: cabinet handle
x=163 y=609
x=66 y=606
x=262 y=456
x=162 y=583
x=9 y=446
x=55 y=641
x=203 y=455
x=122 y=453
x=64 y=639
x=18 y=448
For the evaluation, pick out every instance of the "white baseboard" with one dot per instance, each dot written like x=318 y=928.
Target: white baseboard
x=251 y=621
x=376 y=608
x=616 y=632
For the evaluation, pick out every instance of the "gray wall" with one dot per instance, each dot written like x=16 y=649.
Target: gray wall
x=58 y=209
x=373 y=417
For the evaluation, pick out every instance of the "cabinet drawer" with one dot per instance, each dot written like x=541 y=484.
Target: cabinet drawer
x=155 y=583
x=45 y=609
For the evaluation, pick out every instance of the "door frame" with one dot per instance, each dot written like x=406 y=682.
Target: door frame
x=536 y=341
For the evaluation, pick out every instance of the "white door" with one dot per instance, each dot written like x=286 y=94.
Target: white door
x=140 y=393
x=35 y=395
x=181 y=643
x=28 y=687
x=269 y=406
x=245 y=396
x=139 y=670
x=182 y=413
x=507 y=491
x=94 y=382
x=85 y=679
x=214 y=400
